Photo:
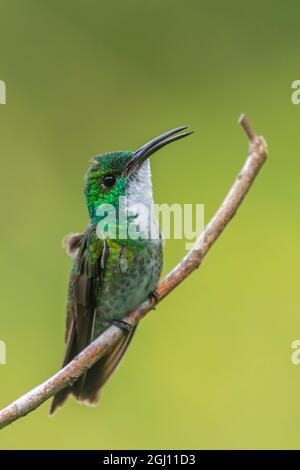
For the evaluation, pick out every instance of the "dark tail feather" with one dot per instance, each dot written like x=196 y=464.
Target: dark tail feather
x=71 y=351
x=59 y=400
x=87 y=388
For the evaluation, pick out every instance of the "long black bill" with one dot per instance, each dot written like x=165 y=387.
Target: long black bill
x=154 y=145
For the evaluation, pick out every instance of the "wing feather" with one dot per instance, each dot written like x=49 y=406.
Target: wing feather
x=84 y=288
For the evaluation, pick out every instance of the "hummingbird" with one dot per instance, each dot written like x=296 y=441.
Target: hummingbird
x=112 y=274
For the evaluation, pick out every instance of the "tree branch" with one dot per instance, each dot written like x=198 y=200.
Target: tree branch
x=98 y=348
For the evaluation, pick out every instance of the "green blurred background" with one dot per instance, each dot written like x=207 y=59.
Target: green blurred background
x=211 y=368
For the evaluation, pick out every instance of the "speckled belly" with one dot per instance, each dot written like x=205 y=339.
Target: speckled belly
x=129 y=278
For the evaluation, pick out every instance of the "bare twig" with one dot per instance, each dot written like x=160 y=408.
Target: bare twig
x=99 y=347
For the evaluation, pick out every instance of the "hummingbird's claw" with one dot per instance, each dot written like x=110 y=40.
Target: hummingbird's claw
x=154 y=298
x=125 y=327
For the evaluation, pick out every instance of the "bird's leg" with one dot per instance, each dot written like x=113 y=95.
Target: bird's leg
x=125 y=327
x=154 y=298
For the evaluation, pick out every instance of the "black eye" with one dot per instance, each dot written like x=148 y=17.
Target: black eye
x=109 y=181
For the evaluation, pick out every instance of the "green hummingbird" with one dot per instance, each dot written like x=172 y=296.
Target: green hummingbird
x=116 y=264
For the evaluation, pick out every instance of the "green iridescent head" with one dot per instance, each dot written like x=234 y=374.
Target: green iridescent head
x=105 y=180
x=111 y=174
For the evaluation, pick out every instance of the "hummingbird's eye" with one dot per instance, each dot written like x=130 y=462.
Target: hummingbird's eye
x=109 y=181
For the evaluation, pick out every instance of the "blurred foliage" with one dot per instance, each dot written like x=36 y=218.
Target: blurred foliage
x=211 y=367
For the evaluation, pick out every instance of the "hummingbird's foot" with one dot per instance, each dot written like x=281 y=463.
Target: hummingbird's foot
x=154 y=298
x=125 y=327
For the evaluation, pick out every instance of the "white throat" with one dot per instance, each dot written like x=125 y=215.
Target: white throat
x=140 y=200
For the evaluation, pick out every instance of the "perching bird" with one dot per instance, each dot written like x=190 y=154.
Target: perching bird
x=116 y=262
